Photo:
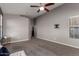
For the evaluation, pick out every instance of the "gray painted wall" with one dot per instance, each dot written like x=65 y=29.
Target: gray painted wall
x=16 y=27
x=61 y=15
x=0 y=26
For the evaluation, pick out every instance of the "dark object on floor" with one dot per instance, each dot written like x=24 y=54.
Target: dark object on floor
x=4 y=51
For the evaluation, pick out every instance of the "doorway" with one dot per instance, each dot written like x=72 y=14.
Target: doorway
x=33 y=32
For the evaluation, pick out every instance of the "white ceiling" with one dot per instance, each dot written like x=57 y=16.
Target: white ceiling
x=24 y=9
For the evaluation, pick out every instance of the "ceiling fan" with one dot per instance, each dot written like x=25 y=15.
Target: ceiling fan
x=43 y=7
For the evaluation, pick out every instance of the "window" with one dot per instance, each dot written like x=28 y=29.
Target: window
x=74 y=27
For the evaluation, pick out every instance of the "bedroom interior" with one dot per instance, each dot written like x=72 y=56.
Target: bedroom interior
x=39 y=29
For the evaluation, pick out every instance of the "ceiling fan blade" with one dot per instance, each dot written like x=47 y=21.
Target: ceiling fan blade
x=48 y=4
x=34 y=6
x=38 y=10
x=46 y=9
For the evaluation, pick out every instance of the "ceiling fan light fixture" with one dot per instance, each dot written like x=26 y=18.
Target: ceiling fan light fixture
x=42 y=8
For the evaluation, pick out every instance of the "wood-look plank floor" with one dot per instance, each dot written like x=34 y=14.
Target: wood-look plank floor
x=38 y=47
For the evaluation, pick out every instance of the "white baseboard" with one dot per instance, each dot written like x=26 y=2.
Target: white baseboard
x=61 y=43
x=17 y=41
x=66 y=44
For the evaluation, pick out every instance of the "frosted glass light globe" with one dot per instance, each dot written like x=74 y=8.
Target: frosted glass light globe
x=41 y=8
